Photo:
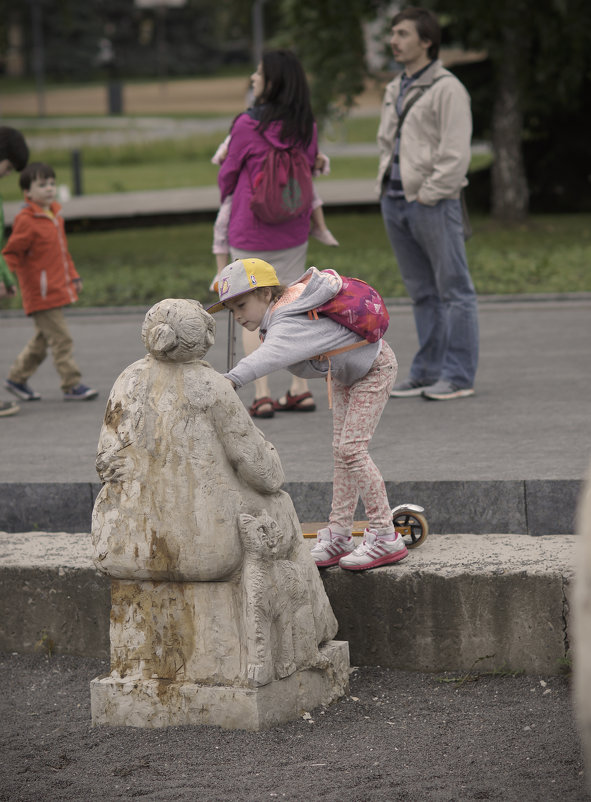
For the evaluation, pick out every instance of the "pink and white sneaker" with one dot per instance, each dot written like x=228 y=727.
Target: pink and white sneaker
x=330 y=547
x=374 y=551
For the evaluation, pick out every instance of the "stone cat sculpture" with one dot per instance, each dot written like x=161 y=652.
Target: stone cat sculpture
x=279 y=618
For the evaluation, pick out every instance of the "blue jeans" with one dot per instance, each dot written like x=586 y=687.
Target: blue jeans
x=428 y=242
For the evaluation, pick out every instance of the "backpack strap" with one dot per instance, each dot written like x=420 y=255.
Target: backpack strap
x=417 y=96
x=327 y=355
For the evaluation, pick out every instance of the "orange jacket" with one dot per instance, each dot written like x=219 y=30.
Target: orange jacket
x=37 y=251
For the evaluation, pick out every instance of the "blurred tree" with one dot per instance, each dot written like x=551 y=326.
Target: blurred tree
x=327 y=36
x=531 y=97
x=540 y=62
x=199 y=36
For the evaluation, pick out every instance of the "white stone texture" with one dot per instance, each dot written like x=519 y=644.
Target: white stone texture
x=582 y=626
x=212 y=584
x=151 y=703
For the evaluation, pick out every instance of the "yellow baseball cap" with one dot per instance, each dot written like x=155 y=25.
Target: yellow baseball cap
x=243 y=275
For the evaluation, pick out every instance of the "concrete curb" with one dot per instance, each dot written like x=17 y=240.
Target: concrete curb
x=518 y=507
x=497 y=601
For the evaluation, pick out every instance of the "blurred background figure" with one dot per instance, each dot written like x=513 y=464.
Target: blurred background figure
x=280 y=118
x=14 y=154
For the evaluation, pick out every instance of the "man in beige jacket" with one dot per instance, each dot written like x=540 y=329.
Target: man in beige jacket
x=424 y=144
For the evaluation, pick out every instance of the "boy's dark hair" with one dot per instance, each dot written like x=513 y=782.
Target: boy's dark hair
x=427 y=26
x=32 y=172
x=13 y=147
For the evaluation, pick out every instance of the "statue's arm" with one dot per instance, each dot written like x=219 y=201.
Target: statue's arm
x=252 y=457
x=115 y=440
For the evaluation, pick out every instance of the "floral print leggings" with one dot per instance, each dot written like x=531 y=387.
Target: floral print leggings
x=357 y=410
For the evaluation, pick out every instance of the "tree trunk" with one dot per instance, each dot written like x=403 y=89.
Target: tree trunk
x=510 y=194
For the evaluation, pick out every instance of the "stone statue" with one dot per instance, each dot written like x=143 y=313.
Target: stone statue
x=214 y=592
x=582 y=626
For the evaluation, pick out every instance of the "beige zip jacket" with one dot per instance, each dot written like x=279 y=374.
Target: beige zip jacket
x=435 y=136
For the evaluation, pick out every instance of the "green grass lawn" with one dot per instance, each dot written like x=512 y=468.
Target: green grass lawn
x=550 y=254
x=196 y=171
x=179 y=163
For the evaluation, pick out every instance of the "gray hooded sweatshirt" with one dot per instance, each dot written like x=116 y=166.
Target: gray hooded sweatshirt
x=291 y=340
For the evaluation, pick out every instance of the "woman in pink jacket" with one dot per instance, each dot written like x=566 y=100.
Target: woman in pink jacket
x=280 y=118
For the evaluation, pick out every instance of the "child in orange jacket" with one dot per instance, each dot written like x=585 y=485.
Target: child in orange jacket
x=37 y=252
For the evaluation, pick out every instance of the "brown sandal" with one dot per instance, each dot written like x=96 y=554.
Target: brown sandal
x=255 y=410
x=293 y=403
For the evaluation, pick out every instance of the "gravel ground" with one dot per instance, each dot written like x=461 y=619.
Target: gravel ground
x=398 y=736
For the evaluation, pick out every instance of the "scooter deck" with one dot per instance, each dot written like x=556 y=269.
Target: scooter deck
x=414 y=528
x=310 y=528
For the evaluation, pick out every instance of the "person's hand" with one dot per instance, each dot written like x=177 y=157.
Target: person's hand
x=7 y=292
x=77 y=282
x=322 y=164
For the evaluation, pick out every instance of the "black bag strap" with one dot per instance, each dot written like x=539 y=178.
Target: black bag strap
x=417 y=96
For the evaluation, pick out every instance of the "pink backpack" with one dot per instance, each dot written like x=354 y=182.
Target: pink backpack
x=358 y=307
x=283 y=189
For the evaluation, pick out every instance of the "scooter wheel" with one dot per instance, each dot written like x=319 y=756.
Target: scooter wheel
x=412 y=526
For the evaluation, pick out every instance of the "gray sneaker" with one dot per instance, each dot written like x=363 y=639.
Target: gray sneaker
x=408 y=388
x=8 y=408
x=444 y=391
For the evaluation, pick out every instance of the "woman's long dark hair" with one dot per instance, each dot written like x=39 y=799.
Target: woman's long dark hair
x=286 y=97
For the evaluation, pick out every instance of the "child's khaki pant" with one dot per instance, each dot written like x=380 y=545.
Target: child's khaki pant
x=51 y=331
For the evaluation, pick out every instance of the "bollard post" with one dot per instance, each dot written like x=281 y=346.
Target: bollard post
x=231 y=342
x=77 y=172
x=115 y=96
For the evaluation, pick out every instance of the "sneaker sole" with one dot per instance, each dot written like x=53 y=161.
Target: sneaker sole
x=407 y=393
x=80 y=397
x=22 y=396
x=465 y=393
x=331 y=561
x=387 y=559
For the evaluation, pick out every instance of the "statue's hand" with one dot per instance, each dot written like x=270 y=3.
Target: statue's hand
x=115 y=466
x=116 y=471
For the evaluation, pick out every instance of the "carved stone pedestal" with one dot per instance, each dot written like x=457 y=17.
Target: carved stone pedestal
x=136 y=702
x=198 y=653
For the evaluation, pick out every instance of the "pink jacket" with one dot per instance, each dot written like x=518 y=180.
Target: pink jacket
x=246 y=155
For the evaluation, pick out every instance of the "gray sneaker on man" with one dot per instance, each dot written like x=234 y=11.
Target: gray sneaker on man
x=445 y=391
x=408 y=388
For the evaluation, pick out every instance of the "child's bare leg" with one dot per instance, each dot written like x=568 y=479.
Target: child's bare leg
x=221 y=260
x=318 y=217
x=298 y=387
x=319 y=228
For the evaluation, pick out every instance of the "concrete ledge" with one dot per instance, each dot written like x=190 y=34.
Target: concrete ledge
x=530 y=507
x=454 y=601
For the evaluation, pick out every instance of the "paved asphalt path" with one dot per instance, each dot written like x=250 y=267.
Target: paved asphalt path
x=529 y=419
